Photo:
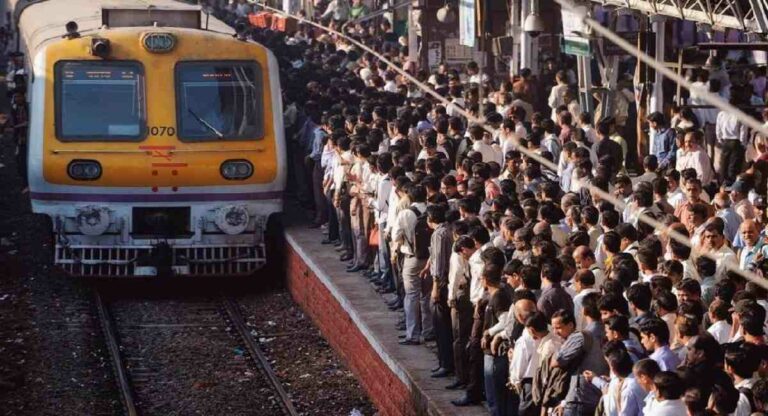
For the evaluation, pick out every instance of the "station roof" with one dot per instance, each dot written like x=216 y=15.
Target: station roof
x=746 y=15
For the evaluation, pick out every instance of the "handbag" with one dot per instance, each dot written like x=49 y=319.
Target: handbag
x=373 y=237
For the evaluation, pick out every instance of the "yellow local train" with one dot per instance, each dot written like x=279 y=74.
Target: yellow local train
x=155 y=139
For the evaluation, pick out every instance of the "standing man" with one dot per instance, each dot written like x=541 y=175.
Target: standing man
x=437 y=267
x=313 y=135
x=579 y=353
x=731 y=137
x=417 y=313
x=461 y=311
x=663 y=140
x=495 y=363
x=714 y=241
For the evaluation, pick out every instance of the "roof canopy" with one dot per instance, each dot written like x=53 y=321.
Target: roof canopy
x=746 y=15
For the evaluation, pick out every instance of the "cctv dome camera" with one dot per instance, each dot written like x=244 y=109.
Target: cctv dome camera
x=533 y=25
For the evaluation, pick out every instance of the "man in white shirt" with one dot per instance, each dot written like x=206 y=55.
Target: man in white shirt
x=583 y=283
x=557 y=95
x=491 y=152
x=476 y=263
x=732 y=136
x=675 y=194
x=694 y=156
x=545 y=344
x=714 y=242
x=461 y=308
x=645 y=371
x=741 y=363
x=380 y=205
x=718 y=315
x=741 y=204
x=416 y=302
x=669 y=387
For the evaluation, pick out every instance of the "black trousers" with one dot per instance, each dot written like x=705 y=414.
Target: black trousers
x=441 y=321
x=461 y=325
x=21 y=161
x=345 y=224
x=731 y=160
x=476 y=381
x=333 y=218
x=527 y=406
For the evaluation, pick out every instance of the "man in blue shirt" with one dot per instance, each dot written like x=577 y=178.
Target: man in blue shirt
x=664 y=146
x=654 y=335
x=314 y=137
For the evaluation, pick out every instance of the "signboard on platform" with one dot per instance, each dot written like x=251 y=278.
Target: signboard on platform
x=434 y=54
x=455 y=53
x=467 y=31
x=575 y=41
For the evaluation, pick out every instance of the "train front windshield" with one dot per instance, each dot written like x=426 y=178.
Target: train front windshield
x=99 y=101
x=219 y=101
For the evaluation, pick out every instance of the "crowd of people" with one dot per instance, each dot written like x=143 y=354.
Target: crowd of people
x=541 y=295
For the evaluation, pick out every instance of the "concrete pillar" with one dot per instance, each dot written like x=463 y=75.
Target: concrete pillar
x=514 y=30
x=657 y=94
x=584 y=73
x=525 y=39
x=413 y=41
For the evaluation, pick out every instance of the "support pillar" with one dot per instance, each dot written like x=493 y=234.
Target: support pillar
x=584 y=71
x=657 y=94
x=515 y=31
x=413 y=41
x=528 y=45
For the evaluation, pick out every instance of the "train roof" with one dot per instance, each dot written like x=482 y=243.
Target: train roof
x=43 y=21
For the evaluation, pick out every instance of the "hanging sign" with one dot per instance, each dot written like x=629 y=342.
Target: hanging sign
x=467 y=23
x=574 y=29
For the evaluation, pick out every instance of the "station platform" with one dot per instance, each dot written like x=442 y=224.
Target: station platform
x=355 y=320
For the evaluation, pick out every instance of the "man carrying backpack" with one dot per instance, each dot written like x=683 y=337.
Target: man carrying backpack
x=413 y=234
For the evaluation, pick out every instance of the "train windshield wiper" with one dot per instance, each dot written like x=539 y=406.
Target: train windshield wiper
x=207 y=125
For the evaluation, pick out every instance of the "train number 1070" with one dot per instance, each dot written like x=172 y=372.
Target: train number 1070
x=162 y=131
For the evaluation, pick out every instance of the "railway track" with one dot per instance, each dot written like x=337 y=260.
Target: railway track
x=147 y=383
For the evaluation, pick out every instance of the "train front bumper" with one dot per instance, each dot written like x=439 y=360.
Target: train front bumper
x=160 y=260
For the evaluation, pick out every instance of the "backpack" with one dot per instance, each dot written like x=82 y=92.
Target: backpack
x=422 y=235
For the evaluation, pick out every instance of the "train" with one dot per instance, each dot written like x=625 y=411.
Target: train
x=156 y=142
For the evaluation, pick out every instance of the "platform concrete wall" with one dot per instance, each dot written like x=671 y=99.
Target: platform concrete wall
x=315 y=295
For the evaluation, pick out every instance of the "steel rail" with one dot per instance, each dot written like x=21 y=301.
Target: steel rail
x=107 y=323
x=233 y=311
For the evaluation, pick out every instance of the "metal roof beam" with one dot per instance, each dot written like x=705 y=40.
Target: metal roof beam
x=717 y=13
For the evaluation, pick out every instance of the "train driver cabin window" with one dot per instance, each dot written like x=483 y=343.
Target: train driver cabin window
x=100 y=101
x=219 y=101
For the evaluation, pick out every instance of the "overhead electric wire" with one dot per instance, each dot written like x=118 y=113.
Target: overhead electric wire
x=705 y=95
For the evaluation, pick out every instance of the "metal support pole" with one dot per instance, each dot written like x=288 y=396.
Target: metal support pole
x=584 y=69
x=413 y=41
x=657 y=95
x=679 y=90
x=525 y=38
x=515 y=24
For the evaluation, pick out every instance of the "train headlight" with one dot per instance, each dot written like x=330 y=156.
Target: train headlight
x=93 y=220
x=84 y=170
x=236 y=170
x=232 y=219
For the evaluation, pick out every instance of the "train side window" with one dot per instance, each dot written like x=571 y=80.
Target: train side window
x=100 y=101
x=219 y=100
